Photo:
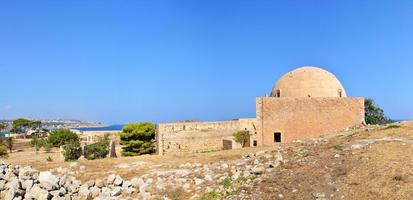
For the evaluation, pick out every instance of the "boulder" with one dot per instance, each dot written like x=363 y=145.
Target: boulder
x=48 y=181
x=118 y=181
x=27 y=184
x=37 y=193
x=116 y=191
x=111 y=179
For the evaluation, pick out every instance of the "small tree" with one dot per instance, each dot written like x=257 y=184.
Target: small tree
x=241 y=137
x=9 y=143
x=61 y=137
x=374 y=114
x=37 y=143
x=138 y=139
x=2 y=126
x=72 y=151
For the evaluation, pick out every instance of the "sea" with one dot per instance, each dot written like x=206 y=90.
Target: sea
x=105 y=128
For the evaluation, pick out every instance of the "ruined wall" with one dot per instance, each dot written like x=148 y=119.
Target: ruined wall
x=199 y=136
x=303 y=118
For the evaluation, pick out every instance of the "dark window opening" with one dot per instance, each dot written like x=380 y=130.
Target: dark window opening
x=278 y=93
x=255 y=143
x=277 y=137
x=340 y=93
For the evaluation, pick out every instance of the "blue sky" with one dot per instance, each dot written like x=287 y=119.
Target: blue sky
x=124 y=61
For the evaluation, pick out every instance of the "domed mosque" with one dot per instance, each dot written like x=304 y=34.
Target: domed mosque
x=308 y=81
x=305 y=103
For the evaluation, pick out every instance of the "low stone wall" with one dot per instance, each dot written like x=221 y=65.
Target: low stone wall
x=199 y=136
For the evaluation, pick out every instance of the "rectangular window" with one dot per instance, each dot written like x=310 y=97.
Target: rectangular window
x=277 y=137
x=255 y=143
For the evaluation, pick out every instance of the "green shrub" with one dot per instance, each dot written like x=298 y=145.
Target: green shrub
x=338 y=147
x=97 y=150
x=3 y=151
x=210 y=196
x=49 y=159
x=241 y=137
x=392 y=126
x=138 y=139
x=73 y=151
x=37 y=143
x=137 y=147
x=374 y=114
x=61 y=137
x=227 y=182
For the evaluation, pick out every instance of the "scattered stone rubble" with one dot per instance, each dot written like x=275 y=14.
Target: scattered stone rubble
x=19 y=182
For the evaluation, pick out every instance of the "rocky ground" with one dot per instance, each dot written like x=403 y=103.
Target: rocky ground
x=366 y=163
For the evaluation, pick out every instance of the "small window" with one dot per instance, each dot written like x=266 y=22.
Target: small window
x=278 y=93
x=255 y=143
x=277 y=137
x=340 y=93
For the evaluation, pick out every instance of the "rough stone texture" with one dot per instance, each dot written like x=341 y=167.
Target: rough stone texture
x=303 y=118
x=48 y=181
x=200 y=136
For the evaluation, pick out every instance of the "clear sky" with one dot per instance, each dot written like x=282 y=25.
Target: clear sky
x=124 y=61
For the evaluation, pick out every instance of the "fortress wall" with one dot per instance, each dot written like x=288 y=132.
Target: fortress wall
x=303 y=118
x=185 y=137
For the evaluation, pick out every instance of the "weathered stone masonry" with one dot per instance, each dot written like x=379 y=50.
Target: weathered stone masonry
x=304 y=103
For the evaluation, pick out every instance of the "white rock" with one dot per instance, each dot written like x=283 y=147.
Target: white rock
x=48 y=181
x=37 y=193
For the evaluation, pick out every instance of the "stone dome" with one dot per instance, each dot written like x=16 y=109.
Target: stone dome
x=308 y=81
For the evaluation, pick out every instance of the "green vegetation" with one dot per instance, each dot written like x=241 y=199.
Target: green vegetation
x=21 y=125
x=210 y=196
x=299 y=154
x=73 y=151
x=138 y=139
x=61 y=137
x=227 y=182
x=338 y=147
x=37 y=143
x=393 y=126
x=49 y=159
x=374 y=114
x=2 y=126
x=241 y=137
x=10 y=143
x=3 y=151
x=97 y=150
x=243 y=179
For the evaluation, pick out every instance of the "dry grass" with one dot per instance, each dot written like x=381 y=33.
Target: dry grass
x=97 y=169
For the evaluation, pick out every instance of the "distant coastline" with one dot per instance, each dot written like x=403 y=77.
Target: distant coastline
x=105 y=128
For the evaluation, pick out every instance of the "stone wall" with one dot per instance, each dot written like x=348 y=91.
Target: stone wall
x=199 y=136
x=303 y=118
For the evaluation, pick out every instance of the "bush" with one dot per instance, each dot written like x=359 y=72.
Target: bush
x=61 y=137
x=3 y=151
x=97 y=150
x=37 y=143
x=138 y=139
x=73 y=151
x=137 y=147
x=241 y=137
x=374 y=114
x=47 y=147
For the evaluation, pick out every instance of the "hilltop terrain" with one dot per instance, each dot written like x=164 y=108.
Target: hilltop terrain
x=372 y=162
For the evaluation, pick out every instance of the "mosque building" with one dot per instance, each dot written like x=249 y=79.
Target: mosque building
x=305 y=103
